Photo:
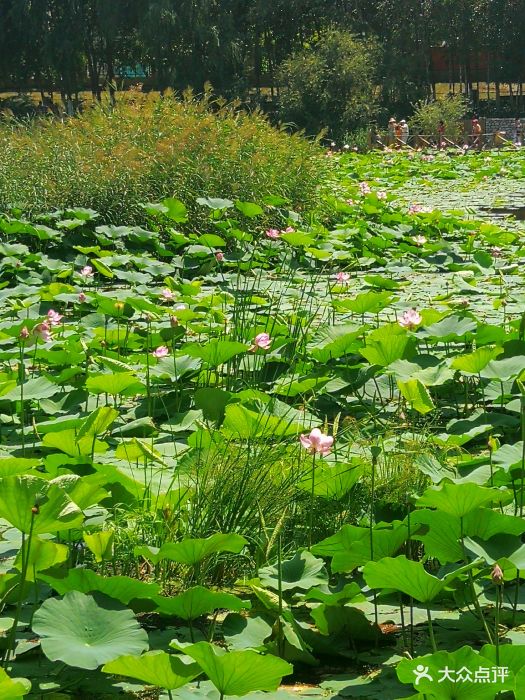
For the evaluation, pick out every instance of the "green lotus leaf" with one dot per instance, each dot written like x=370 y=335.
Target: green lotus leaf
x=198 y=601
x=119 y=384
x=461 y=499
x=34 y=505
x=302 y=571
x=138 y=595
x=193 y=551
x=100 y=544
x=476 y=361
x=237 y=672
x=86 y=632
x=215 y=352
x=241 y=632
x=350 y=547
x=41 y=555
x=409 y=577
x=11 y=688
x=249 y=209
x=416 y=395
x=332 y=342
x=154 y=668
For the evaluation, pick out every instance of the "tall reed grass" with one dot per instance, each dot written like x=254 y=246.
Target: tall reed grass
x=147 y=148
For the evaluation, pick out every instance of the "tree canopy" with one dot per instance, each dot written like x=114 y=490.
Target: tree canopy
x=243 y=46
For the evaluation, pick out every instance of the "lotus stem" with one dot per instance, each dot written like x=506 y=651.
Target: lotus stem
x=23 y=574
x=312 y=499
x=431 y=631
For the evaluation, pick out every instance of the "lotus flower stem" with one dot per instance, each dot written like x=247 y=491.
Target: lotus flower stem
x=22 y=376
x=25 y=552
x=403 y=626
x=431 y=631
x=312 y=499
x=410 y=600
x=496 y=621
x=516 y=596
x=376 y=451
x=522 y=388
x=475 y=600
x=280 y=638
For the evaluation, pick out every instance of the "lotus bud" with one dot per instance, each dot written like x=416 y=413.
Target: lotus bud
x=497 y=575
x=492 y=443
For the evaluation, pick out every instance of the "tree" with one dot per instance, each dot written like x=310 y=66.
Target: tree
x=451 y=110
x=331 y=84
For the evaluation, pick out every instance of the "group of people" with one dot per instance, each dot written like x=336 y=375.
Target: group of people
x=398 y=133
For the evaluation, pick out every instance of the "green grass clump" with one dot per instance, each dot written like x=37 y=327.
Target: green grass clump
x=148 y=148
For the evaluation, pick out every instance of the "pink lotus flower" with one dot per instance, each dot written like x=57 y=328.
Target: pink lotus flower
x=273 y=233
x=262 y=340
x=167 y=294
x=495 y=251
x=288 y=229
x=24 y=333
x=42 y=331
x=54 y=317
x=317 y=442
x=342 y=277
x=219 y=256
x=364 y=188
x=410 y=319
x=419 y=240
x=82 y=297
x=86 y=271
x=419 y=209
x=161 y=351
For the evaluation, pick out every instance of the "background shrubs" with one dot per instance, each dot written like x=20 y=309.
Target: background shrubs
x=147 y=148
x=332 y=83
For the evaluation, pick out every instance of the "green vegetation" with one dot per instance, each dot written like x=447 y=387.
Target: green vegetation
x=145 y=149
x=451 y=110
x=235 y=455
x=332 y=83
x=58 y=49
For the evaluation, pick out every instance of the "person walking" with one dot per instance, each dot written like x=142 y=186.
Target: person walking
x=405 y=132
x=397 y=133
x=476 y=134
x=441 y=134
x=391 y=135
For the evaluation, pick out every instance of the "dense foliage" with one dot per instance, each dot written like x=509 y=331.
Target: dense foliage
x=148 y=148
x=333 y=83
x=240 y=46
x=249 y=454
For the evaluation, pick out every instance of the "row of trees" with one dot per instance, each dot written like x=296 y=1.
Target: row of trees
x=246 y=45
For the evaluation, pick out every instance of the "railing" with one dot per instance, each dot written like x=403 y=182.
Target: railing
x=483 y=141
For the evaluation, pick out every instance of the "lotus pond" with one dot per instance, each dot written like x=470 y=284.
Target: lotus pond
x=281 y=460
